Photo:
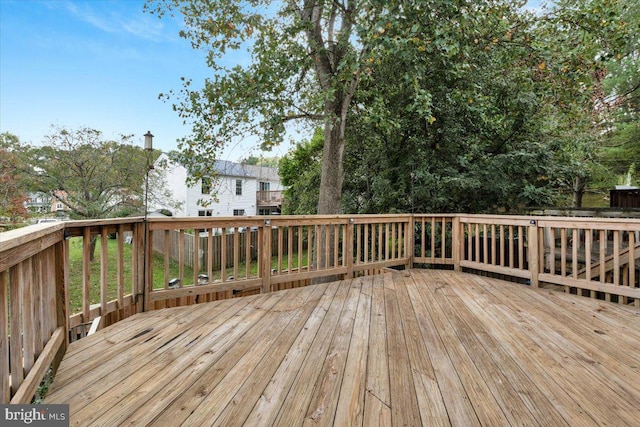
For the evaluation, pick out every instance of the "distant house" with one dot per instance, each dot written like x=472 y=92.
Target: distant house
x=57 y=205
x=41 y=202
x=241 y=190
x=38 y=202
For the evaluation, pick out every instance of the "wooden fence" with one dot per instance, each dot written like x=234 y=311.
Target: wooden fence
x=60 y=281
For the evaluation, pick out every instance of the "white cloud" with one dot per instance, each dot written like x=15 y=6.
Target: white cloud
x=118 y=20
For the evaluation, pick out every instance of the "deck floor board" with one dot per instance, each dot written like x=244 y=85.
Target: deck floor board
x=418 y=347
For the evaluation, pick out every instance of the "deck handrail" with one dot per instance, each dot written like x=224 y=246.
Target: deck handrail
x=184 y=261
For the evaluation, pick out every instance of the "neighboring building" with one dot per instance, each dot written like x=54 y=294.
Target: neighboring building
x=241 y=190
x=57 y=205
x=38 y=202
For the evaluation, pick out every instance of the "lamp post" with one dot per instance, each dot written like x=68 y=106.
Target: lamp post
x=148 y=147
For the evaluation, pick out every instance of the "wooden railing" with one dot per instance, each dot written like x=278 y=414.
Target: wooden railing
x=598 y=259
x=61 y=281
x=270 y=198
x=499 y=245
x=263 y=254
x=33 y=316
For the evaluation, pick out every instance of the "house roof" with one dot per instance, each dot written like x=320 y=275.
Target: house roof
x=263 y=172
x=227 y=168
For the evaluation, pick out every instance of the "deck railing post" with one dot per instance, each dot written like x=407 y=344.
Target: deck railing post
x=62 y=296
x=457 y=242
x=139 y=267
x=264 y=245
x=410 y=239
x=61 y=283
x=534 y=252
x=348 y=248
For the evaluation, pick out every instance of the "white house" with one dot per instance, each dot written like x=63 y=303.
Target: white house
x=241 y=190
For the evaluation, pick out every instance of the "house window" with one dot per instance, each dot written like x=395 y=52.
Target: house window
x=205 y=212
x=238 y=212
x=206 y=185
x=59 y=206
x=238 y=187
x=264 y=186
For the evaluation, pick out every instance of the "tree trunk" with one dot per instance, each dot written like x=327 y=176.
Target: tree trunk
x=331 y=178
x=92 y=248
x=579 y=184
x=329 y=200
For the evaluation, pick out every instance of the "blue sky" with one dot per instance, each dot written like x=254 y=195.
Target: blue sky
x=99 y=64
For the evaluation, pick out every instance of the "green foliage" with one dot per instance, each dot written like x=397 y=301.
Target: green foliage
x=464 y=106
x=300 y=173
x=271 y=162
x=12 y=182
x=592 y=46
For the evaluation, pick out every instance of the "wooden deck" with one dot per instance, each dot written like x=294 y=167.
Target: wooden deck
x=421 y=347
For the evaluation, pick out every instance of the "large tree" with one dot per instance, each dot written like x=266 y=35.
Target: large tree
x=307 y=59
x=101 y=178
x=462 y=131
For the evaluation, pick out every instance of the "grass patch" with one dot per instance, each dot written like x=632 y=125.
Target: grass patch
x=75 y=271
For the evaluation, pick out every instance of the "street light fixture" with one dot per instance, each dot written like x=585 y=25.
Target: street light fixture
x=148 y=141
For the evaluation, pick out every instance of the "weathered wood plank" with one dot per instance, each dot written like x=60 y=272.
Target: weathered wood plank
x=404 y=405
x=414 y=348
x=207 y=394
x=469 y=399
x=151 y=373
x=268 y=405
x=324 y=400
x=291 y=410
x=28 y=388
x=516 y=394
x=433 y=411
x=264 y=374
x=556 y=363
x=350 y=410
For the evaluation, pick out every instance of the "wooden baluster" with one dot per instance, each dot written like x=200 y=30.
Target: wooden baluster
x=521 y=248
x=358 y=243
x=86 y=273
x=587 y=254
x=104 y=256
x=552 y=251
x=433 y=238
x=511 y=246
x=501 y=245
x=616 y=260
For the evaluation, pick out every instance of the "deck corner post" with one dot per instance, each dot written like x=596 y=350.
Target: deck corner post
x=456 y=242
x=534 y=252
